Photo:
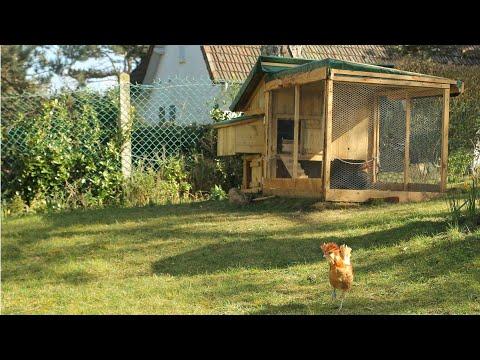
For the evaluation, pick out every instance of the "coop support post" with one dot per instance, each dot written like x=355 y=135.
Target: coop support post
x=327 y=147
x=444 y=155
x=125 y=126
x=296 y=120
x=267 y=127
x=376 y=128
x=406 y=160
x=244 y=178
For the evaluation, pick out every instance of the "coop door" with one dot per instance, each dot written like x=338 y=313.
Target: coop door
x=391 y=147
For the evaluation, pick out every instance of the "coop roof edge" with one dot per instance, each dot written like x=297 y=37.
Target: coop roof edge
x=238 y=119
x=304 y=65
x=271 y=64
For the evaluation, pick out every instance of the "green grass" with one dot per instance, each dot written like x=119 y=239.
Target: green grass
x=215 y=258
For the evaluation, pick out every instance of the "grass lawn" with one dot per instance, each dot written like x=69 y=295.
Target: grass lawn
x=215 y=258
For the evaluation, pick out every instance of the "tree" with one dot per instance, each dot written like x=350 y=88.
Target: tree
x=430 y=52
x=17 y=61
x=90 y=62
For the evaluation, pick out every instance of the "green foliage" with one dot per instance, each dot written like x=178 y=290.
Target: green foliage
x=16 y=61
x=148 y=186
x=206 y=172
x=464 y=206
x=61 y=151
x=109 y=60
x=431 y=52
x=15 y=206
x=459 y=164
x=217 y=193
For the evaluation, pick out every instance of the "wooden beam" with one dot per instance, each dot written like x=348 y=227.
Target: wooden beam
x=244 y=179
x=327 y=148
x=311 y=188
x=297 y=79
x=273 y=139
x=376 y=139
x=267 y=120
x=254 y=112
x=283 y=65
x=424 y=78
x=125 y=126
x=364 y=80
x=365 y=195
x=444 y=156
x=406 y=159
x=296 y=121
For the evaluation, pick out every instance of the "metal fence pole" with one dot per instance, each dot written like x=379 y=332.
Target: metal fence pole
x=125 y=125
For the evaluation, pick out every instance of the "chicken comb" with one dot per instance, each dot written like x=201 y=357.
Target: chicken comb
x=329 y=247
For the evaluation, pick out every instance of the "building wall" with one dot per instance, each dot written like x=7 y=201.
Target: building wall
x=189 y=102
x=173 y=63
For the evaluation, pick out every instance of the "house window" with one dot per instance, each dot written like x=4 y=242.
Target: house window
x=172 y=112
x=182 y=54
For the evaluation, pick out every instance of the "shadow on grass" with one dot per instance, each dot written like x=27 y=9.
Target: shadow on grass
x=55 y=222
x=453 y=297
x=268 y=253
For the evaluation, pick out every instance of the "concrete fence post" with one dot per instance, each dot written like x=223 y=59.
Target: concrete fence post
x=125 y=125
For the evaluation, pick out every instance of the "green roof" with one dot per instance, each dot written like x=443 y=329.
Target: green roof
x=341 y=65
x=304 y=65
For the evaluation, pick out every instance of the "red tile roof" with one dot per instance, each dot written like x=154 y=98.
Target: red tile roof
x=233 y=62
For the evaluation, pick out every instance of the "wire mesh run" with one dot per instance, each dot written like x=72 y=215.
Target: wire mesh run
x=385 y=138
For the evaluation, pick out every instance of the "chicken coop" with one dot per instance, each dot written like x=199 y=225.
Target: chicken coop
x=340 y=131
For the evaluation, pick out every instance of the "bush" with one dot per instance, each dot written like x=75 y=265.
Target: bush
x=148 y=186
x=217 y=193
x=464 y=206
x=62 y=154
x=459 y=165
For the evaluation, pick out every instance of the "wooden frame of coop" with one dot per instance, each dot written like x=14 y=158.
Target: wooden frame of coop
x=340 y=131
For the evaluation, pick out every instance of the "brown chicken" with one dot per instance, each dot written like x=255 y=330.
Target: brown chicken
x=341 y=269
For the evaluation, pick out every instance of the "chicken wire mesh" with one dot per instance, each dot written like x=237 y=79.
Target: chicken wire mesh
x=165 y=118
x=369 y=138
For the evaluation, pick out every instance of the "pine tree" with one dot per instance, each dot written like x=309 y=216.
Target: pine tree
x=16 y=60
x=109 y=60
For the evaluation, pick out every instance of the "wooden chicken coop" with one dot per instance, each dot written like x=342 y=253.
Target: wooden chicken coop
x=340 y=131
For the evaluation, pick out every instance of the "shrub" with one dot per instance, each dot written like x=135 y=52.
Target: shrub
x=148 y=186
x=459 y=164
x=65 y=153
x=464 y=206
x=15 y=206
x=217 y=193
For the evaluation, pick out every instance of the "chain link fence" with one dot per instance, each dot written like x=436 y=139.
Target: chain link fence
x=170 y=117
x=164 y=119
